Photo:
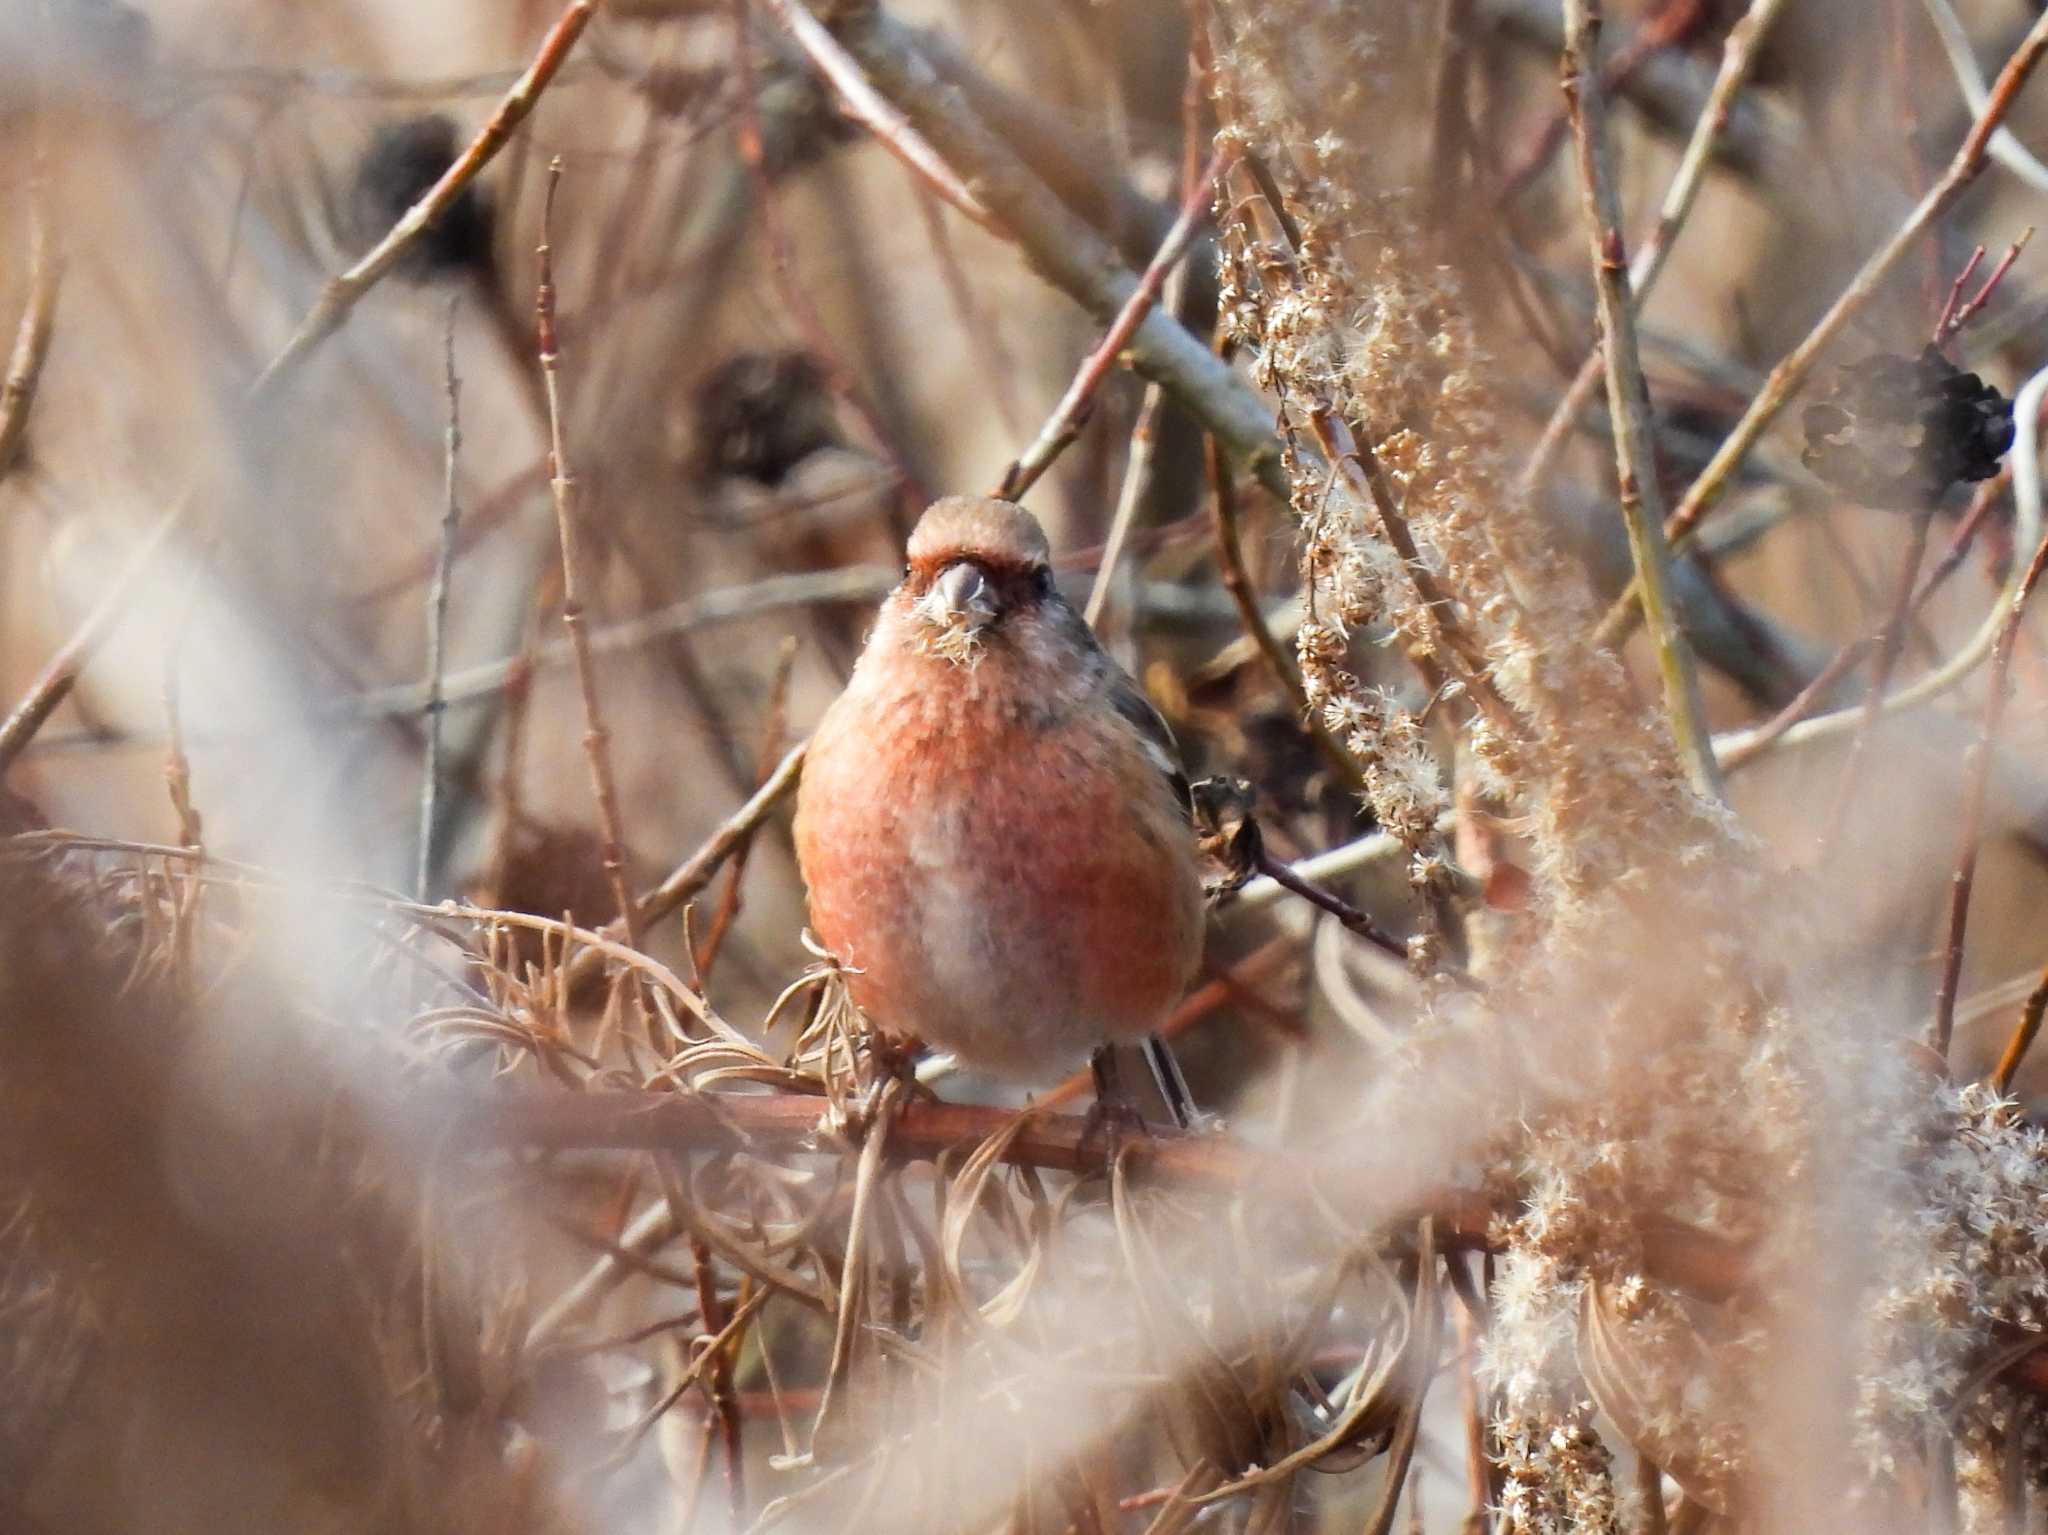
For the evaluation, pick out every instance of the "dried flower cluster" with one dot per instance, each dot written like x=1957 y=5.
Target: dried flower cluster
x=1369 y=348
x=1967 y=1227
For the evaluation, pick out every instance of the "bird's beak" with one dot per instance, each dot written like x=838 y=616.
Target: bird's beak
x=960 y=600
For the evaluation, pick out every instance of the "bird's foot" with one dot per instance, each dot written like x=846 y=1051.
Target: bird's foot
x=1114 y=1116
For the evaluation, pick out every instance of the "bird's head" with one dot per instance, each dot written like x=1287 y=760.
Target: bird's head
x=975 y=564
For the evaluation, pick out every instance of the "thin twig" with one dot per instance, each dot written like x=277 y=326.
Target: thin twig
x=2022 y=1039
x=724 y=1402
x=1062 y=246
x=1666 y=26
x=1955 y=316
x=782 y=259
x=873 y=111
x=60 y=674
x=1738 y=60
x=1628 y=398
x=32 y=336
x=54 y=683
x=343 y=293
x=1137 y=483
x=1976 y=781
x=1736 y=751
x=774 y=730
x=689 y=878
x=1064 y=424
x=695 y=872
x=1352 y=918
x=1891 y=640
x=596 y=739
x=1755 y=742
x=2005 y=146
x=852 y=583
x=981 y=327
x=853 y=1272
x=437 y=611
x=1791 y=372
x=1237 y=585
x=2028 y=522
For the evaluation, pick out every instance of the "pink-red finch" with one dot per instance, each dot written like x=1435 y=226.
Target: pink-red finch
x=993 y=821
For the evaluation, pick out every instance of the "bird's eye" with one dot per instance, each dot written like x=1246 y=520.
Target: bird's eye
x=1041 y=581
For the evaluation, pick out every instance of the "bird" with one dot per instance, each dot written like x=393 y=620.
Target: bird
x=993 y=821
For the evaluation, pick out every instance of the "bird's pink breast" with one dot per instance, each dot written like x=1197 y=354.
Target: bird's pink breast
x=1010 y=885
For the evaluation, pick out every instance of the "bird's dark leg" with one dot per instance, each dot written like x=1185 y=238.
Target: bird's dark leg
x=1114 y=1113
x=1173 y=1087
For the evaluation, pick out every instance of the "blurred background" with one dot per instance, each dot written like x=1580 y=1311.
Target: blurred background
x=252 y=1275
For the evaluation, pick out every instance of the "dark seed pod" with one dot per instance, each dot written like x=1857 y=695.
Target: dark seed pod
x=1897 y=431
x=760 y=414
x=1226 y=833
x=403 y=162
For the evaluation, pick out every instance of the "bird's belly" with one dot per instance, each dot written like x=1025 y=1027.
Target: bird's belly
x=1018 y=935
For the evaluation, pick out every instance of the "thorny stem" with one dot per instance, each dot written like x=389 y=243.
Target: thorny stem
x=1976 y=779
x=1791 y=372
x=596 y=739
x=1738 y=60
x=1064 y=424
x=54 y=683
x=437 y=614
x=1628 y=399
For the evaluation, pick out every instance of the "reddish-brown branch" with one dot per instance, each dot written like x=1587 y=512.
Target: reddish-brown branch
x=1194 y=1007
x=2022 y=1039
x=1976 y=781
x=1955 y=314
x=782 y=1123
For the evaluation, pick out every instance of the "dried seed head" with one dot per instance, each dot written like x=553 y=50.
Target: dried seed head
x=1898 y=431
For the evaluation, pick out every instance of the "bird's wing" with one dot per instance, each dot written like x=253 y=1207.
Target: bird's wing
x=1154 y=734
